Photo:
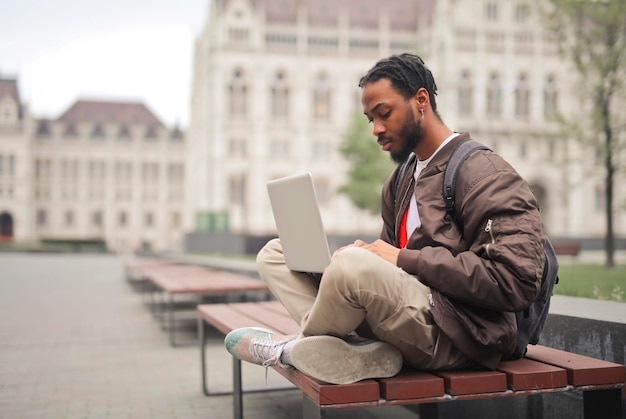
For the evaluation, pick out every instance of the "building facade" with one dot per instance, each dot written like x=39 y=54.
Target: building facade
x=275 y=85
x=102 y=171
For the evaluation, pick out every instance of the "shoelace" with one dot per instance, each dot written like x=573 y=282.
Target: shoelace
x=268 y=350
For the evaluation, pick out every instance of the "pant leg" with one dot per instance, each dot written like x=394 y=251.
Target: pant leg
x=295 y=290
x=359 y=286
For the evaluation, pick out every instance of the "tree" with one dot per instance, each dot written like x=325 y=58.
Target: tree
x=591 y=34
x=369 y=166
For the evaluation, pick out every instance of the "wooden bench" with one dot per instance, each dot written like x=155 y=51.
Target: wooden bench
x=134 y=268
x=566 y=248
x=174 y=281
x=544 y=370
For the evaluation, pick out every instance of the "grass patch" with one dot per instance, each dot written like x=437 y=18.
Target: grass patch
x=592 y=281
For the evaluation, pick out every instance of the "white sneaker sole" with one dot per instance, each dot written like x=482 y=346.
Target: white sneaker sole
x=334 y=361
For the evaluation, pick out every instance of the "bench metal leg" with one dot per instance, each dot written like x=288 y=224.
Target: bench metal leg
x=237 y=391
x=310 y=409
x=602 y=404
x=202 y=339
x=170 y=320
x=429 y=411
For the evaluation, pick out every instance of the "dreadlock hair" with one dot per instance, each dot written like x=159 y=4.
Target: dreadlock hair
x=407 y=73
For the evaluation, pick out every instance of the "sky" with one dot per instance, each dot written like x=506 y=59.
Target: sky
x=122 y=50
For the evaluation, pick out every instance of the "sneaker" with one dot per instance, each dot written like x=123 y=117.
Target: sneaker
x=257 y=345
x=336 y=361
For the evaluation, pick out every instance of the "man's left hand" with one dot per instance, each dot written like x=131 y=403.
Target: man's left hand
x=381 y=248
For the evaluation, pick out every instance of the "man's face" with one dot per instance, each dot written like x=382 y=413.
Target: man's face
x=393 y=119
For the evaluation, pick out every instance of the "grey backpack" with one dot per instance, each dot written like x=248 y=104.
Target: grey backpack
x=530 y=322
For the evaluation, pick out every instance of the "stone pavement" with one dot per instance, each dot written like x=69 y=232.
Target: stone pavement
x=77 y=342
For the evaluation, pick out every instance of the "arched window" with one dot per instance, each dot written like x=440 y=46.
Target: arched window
x=522 y=96
x=491 y=10
x=69 y=218
x=321 y=97
x=42 y=217
x=550 y=98
x=494 y=96
x=238 y=94
x=237 y=190
x=280 y=96
x=466 y=93
x=6 y=226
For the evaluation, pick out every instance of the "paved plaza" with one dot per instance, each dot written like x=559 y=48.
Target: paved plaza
x=76 y=341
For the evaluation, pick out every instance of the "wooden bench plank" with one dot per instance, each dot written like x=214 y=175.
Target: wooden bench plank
x=191 y=280
x=136 y=267
x=581 y=370
x=470 y=382
x=324 y=394
x=224 y=318
x=227 y=317
x=275 y=306
x=280 y=322
x=411 y=384
x=526 y=374
x=566 y=248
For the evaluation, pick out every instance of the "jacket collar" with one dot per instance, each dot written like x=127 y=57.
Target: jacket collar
x=441 y=158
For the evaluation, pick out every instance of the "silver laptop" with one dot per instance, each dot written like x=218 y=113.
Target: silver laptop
x=299 y=223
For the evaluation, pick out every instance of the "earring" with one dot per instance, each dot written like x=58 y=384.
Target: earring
x=422 y=111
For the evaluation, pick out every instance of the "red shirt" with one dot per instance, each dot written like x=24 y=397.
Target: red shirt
x=402 y=235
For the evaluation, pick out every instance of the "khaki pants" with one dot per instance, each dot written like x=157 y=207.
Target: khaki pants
x=363 y=292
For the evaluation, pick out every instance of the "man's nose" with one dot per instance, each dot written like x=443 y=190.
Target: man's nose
x=377 y=128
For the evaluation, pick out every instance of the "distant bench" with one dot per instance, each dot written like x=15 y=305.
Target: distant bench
x=544 y=370
x=177 y=280
x=566 y=248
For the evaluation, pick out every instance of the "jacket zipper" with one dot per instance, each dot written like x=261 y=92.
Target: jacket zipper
x=489 y=230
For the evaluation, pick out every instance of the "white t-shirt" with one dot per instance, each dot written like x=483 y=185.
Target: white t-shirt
x=413 y=218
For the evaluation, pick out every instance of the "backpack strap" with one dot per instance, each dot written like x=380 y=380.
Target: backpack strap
x=459 y=155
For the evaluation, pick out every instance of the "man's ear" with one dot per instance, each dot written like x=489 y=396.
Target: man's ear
x=422 y=97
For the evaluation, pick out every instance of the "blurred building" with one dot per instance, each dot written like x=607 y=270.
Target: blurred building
x=275 y=85
x=102 y=171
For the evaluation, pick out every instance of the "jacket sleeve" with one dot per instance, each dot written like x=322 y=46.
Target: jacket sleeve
x=502 y=228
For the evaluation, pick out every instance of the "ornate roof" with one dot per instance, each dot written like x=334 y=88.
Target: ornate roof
x=110 y=112
x=8 y=87
x=403 y=14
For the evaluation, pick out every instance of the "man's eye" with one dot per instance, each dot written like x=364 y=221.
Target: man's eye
x=385 y=115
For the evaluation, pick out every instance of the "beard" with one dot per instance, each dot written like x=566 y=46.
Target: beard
x=411 y=133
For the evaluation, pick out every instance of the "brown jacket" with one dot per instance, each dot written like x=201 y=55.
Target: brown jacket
x=483 y=274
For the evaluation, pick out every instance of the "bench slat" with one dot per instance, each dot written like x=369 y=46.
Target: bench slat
x=201 y=281
x=581 y=370
x=280 y=322
x=526 y=374
x=225 y=319
x=411 y=384
x=471 y=382
x=275 y=306
x=324 y=394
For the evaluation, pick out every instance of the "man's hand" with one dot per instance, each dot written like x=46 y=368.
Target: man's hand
x=379 y=247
